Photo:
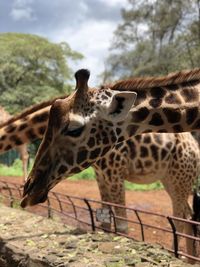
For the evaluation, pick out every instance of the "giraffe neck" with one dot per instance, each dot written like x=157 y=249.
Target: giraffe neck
x=169 y=109
x=25 y=126
x=24 y=130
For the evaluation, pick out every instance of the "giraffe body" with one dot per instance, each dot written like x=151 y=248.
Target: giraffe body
x=21 y=149
x=176 y=163
x=172 y=159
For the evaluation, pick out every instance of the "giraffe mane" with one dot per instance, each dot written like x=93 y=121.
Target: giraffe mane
x=2 y=110
x=30 y=110
x=4 y=115
x=176 y=78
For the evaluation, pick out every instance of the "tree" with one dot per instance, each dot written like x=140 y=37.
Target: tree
x=32 y=69
x=155 y=37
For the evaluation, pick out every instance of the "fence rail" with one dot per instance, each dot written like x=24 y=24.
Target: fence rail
x=88 y=213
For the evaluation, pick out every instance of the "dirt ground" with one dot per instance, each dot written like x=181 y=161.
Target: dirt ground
x=156 y=201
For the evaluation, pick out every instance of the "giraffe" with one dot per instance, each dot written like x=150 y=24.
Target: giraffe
x=21 y=149
x=174 y=159
x=83 y=127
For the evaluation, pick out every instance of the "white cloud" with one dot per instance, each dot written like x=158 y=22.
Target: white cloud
x=22 y=10
x=87 y=25
x=21 y=3
x=92 y=39
x=83 y=6
x=112 y=3
x=22 y=14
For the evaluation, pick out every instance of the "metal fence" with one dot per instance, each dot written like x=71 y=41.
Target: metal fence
x=88 y=213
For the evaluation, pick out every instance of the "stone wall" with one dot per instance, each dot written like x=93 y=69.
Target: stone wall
x=27 y=240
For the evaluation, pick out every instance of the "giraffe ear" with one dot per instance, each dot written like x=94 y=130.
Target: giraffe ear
x=119 y=105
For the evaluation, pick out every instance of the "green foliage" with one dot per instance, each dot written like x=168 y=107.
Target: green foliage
x=16 y=204
x=32 y=69
x=87 y=174
x=14 y=170
x=143 y=187
x=155 y=37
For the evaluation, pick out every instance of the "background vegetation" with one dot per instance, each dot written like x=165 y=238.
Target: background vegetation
x=33 y=69
x=155 y=37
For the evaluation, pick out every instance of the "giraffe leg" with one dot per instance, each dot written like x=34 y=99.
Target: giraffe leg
x=184 y=211
x=24 y=157
x=181 y=209
x=111 y=186
x=183 y=171
x=196 y=217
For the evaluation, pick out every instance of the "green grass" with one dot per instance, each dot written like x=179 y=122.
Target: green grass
x=88 y=174
x=13 y=170
x=143 y=187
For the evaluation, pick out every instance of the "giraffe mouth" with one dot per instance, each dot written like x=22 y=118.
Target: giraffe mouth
x=35 y=191
x=31 y=196
x=33 y=199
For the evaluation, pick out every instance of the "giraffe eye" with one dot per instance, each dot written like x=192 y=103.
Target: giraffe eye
x=76 y=132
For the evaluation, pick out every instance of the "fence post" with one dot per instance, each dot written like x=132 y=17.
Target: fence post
x=91 y=214
x=175 y=238
x=74 y=207
x=141 y=225
x=10 y=195
x=114 y=219
x=59 y=202
x=49 y=209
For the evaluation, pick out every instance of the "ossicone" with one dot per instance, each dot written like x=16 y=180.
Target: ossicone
x=82 y=77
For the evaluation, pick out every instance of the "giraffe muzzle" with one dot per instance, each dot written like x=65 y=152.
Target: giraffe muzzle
x=33 y=199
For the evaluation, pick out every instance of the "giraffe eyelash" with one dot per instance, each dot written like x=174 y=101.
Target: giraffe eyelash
x=75 y=132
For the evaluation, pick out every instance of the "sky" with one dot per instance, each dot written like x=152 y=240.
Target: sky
x=86 y=25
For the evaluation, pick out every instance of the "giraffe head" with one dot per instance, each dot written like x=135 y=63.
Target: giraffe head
x=81 y=129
